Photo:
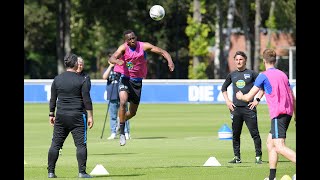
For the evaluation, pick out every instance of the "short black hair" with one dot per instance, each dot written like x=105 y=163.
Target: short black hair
x=70 y=60
x=241 y=53
x=127 y=32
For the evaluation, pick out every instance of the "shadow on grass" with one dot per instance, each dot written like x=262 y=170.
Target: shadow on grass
x=230 y=166
x=266 y=162
x=151 y=138
x=107 y=176
x=227 y=166
x=109 y=154
x=173 y=167
x=120 y=175
x=168 y=167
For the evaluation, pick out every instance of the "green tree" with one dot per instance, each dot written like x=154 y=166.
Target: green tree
x=198 y=40
x=39 y=39
x=96 y=29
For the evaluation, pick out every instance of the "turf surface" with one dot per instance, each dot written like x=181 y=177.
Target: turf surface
x=169 y=141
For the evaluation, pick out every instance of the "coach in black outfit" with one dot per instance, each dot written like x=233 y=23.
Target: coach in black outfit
x=242 y=79
x=69 y=92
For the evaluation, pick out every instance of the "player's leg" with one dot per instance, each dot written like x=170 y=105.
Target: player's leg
x=127 y=128
x=123 y=95
x=272 y=156
x=280 y=125
x=132 y=110
x=237 y=123
x=59 y=135
x=79 y=134
x=134 y=88
x=251 y=121
x=282 y=149
x=134 y=97
x=123 y=99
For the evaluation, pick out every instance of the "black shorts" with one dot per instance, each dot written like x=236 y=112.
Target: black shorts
x=279 y=126
x=132 y=87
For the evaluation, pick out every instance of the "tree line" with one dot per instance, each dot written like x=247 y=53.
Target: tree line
x=93 y=29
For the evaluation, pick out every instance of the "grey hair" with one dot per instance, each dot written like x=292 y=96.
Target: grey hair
x=80 y=60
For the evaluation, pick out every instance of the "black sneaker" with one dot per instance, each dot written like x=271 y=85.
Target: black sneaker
x=235 y=160
x=51 y=175
x=84 y=175
x=258 y=160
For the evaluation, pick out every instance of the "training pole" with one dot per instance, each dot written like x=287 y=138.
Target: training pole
x=105 y=119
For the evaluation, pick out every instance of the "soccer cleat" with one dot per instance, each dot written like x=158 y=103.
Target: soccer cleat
x=51 y=175
x=112 y=136
x=258 y=160
x=127 y=136
x=235 y=160
x=267 y=178
x=84 y=175
x=122 y=140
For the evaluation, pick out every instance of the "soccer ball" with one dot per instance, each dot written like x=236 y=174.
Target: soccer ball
x=157 y=12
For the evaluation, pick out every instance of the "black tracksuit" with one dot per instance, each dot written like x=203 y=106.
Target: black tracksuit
x=69 y=93
x=243 y=81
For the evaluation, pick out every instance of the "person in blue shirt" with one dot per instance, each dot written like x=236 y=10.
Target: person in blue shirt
x=112 y=89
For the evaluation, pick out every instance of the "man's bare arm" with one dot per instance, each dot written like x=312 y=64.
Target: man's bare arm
x=250 y=95
x=114 y=59
x=149 y=47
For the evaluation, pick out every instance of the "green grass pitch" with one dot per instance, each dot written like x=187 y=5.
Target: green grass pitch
x=169 y=141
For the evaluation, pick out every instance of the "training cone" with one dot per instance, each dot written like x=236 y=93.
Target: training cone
x=212 y=161
x=225 y=133
x=99 y=170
